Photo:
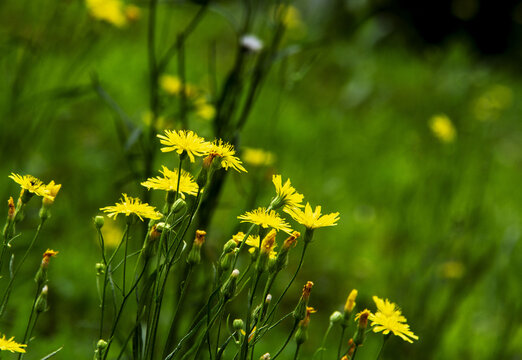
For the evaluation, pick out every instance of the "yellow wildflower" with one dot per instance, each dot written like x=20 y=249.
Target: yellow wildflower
x=170 y=84
x=266 y=219
x=226 y=152
x=289 y=15
x=443 y=128
x=313 y=219
x=169 y=182
x=110 y=11
x=287 y=196
x=257 y=157
x=205 y=111
x=51 y=190
x=31 y=184
x=268 y=244
x=11 y=345
x=184 y=141
x=130 y=205
x=388 y=318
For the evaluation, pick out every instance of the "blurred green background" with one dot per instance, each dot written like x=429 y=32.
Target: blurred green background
x=431 y=222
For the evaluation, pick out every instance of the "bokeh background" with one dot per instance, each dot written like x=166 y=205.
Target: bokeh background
x=401 y=115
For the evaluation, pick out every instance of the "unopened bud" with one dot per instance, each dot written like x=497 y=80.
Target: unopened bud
x=265 y=357
x=44 y=213
x=336 y=317
x=100 y=269
x=179 y=205
x=12 y=209
x=238 y=324
x=349 y=305
x=229 y=246
x=229 y=287
x=99 y=221
x=360 y=334
x=41 y=302
x=299 y=312
x=102 y=344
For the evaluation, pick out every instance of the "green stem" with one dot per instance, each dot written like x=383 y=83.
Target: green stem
x=287 y=340
x=341 y=342
x=289 y=284
x=296 y=355
x=127 y=230
x=244 y=346
x=322 y=348
x=28 y=327
x=5 y=297
x=385 y=338
x=354 y=353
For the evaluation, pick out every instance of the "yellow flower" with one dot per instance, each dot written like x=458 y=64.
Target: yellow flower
x=130 y=206
x=313 y=219
x=443 y=128
x=184 y=141
x=51 y=190
x=225 y=151
x=266 y=219
x=112 y=235
x=388 y=318
x=287 y=196
x=268 y=244
x=11 y=345
x=258 y=157
x=289 y=15
x=111 y=11
x=170 y=84
x=169 y=182
x=32 y=184
x=205 y=111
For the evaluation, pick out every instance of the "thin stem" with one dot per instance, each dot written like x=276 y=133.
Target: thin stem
x=322 y=348
x=287 y=340
x=384 y=339
x=289 y=284
x=354 y=353
x=28 y=327
x=341 y=341
x=5 y=297
x=244 y=346
x=296 y=355
x=127 y=230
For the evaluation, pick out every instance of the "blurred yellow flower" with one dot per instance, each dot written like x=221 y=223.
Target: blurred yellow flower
x=287 y=195
x=112 y=235
x=11 y=345
x=289 y=15
x=226 y=153
x=111 y=11
x=184 y=141
x=266 y=219
x=205 y=111
x=257 y=157
x=313 y=219
x=130 y=205
x=169 y=182
x=452 y=270
x=32 y=184
x=443 y=128
x=388 y=318
x=489 y=105
x=170 y=84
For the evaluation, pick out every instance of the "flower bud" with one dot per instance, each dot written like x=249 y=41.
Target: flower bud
x=229 y=246
x=265 y=357
x=100 y=269
x=336 y=317
x=267 y=246
x=360 y=334
x=301 y=334
x=229 y=287
x=41 y=301
x=44 y=213
x=299 y=312
x=102 y=344
x=194 y=256
x=238 y=325
x=12 y=209
x=351 y=348
x=349 y=305
x=179 y=205
x=99 y=221
x=226 y=261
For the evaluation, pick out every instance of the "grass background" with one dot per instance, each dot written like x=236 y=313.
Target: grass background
x=348 y=121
